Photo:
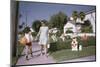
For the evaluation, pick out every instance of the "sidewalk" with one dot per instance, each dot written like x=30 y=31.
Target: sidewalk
x=36 y=59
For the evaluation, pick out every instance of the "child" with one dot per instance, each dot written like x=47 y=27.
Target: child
x=28 y=45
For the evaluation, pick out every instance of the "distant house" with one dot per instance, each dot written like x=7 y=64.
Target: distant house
x=70 y=25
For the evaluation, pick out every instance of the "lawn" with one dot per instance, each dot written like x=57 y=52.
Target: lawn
x=67 y=54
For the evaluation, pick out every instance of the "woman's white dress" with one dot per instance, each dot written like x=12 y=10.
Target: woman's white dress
x=43 y=39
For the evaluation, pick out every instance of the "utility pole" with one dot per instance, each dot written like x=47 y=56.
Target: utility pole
x=26 y=18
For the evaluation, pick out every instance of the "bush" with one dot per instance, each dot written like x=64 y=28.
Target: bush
x=69 y=31
x=64 y=45
x=87 y=29
x=53 y=46
x=59 y=32
x=26 y=29
x=60 y=45
x=19 y=51
x=20 y=48
x=91 y=41
x=34 y=34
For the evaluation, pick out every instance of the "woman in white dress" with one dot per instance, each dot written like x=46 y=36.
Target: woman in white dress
x=43 y=37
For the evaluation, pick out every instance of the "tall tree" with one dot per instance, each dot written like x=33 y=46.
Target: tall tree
x=75 y=15
x=82 y=15
x=26 y=29
x=58 y=20
x=36 y=25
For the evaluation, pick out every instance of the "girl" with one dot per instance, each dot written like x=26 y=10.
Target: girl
x=28 y=44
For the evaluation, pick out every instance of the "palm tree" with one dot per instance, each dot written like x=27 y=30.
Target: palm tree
x=82 y=15
x=75 y=16
x=36 y=25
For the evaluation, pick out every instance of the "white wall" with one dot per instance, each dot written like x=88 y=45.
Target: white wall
x=91 y=17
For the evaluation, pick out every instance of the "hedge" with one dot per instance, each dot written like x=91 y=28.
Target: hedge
x=60 y=45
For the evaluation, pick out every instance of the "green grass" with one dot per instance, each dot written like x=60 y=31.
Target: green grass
x=67 y=54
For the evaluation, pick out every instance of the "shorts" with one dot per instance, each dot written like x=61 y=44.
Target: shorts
x=29 y=44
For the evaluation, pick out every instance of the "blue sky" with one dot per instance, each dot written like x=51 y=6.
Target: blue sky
x=40 y=11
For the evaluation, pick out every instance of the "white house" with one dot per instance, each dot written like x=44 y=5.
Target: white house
x=69 y=26
x=91 y=16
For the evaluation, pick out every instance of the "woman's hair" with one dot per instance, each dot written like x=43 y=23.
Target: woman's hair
x=44 y=22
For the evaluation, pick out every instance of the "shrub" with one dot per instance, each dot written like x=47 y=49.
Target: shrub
x=91 y=41
x=53 y=46
x=69 y=31
x=59 y=33
x=64 y=45
x=26 y=29
x=87 y=29
x=60 y=45
x=34 y=34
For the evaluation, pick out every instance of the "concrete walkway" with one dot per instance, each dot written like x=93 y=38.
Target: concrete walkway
x=36 y=59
